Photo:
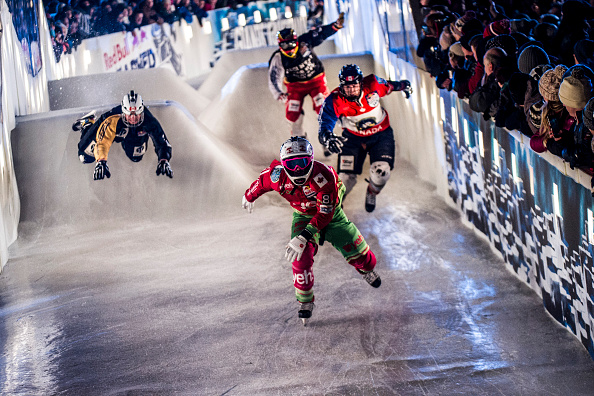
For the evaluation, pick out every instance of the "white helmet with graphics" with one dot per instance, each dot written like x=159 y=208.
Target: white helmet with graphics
x=132 y=109
x=296 y=155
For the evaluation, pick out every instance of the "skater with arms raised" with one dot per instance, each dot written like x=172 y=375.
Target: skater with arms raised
x=296 y=65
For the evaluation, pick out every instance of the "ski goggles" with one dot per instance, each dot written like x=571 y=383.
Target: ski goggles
x=297 y=163
x=288 y=45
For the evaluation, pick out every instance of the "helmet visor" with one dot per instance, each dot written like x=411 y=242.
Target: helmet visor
x=288 y=45
x=297 y=164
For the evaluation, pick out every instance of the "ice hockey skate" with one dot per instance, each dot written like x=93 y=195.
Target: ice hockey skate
x=371 y=277
x=84 y=121
x=305 y=310
x=370 y=200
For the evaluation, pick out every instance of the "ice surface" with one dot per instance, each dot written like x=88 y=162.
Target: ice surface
x=141 y=284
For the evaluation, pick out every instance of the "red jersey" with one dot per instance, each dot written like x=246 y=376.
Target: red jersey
x=318 y=197
x=363 y=117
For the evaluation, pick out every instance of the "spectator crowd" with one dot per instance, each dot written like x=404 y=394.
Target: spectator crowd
x=526 y=65
x=72 y=21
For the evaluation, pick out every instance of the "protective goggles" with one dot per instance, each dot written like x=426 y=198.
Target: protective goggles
x=297 y=163
x=288 y=45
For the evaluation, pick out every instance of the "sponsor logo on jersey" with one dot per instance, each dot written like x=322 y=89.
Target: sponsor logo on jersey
x=122 y=133
x=304 y=278
x=293 y=106
x=347 y=162
x=320 y=180
x=368 y=132
x=255 y=187
x=275 y=175
x=373 y=99
x=309 y=193
x=326 y=209
x=366 y=123
x=349 y=247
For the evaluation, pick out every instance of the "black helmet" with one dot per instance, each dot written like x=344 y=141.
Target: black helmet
x=287 y=41
x=349 y=75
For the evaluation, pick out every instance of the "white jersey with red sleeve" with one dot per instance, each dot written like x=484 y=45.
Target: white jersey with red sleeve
x=318 y=197
x=364 y=117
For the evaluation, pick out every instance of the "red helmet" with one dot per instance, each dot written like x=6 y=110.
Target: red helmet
x=287 y=41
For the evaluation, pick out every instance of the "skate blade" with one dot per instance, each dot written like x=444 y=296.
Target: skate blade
x=304 y=320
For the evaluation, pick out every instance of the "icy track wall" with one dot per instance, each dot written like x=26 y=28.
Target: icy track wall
x=532 y=209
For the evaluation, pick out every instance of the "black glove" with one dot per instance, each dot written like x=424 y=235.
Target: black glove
x=101 y=170
x=332 y=142
x=402 y=85
x=340 y=21
x=163 y=168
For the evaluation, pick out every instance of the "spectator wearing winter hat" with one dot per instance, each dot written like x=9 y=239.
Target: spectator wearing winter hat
x=531 y=57
x=497 y=28
x=446 y=38
x=456 y=61
x=523 y=25
x=505 y=42
x=522 y=40
x=574 y=92
x=466 y=23
x=583 y=52
x=554 y=133
x=550 y=18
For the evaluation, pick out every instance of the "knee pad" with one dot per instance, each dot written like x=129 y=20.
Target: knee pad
x=379 y=173
x=349 y=180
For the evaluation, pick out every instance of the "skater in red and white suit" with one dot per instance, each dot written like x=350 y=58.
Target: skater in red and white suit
x=315 y=191
x=366 y=128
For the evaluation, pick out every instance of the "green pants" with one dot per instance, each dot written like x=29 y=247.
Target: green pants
x=341 y=233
